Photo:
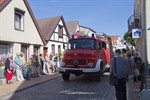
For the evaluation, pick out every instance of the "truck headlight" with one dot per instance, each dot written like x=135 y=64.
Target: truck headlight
x=90 y=64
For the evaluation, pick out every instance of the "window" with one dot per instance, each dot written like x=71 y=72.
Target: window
x=99 y=45
x=60 y=31
x=104 y=45
x=4 y=50
x=53 y=50
x=59 y=49
x=19 y=19
x=24 y=49
x=82 y=44
x=36 y=50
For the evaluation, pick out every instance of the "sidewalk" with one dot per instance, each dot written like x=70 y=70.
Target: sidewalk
x=7 y=89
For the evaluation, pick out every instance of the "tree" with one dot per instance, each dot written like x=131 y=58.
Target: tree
x=129 y=39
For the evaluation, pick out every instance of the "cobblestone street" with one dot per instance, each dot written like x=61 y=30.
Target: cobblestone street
x=78 y=88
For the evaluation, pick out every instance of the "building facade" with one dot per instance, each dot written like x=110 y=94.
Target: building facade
x=55 y=34
x=73 y=28
x=87 y=31
x=141 y=20
x=18 y=26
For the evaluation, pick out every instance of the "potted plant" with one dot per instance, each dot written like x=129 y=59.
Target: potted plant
x=2 y=64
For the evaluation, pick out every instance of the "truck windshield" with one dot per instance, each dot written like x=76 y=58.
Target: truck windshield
x=82 y=44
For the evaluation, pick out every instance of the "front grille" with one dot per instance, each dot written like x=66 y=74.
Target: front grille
x=80 y=62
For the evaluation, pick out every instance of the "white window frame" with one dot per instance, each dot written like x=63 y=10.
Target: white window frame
x=19 y=16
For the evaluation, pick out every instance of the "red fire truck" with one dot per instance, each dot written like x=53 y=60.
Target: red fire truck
x=85 y=55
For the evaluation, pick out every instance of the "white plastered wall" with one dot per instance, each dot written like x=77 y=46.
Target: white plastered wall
x=148 y=31
x=57 y=40
x=8 y=32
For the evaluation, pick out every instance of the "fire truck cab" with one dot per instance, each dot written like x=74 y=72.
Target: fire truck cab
x=85 y=55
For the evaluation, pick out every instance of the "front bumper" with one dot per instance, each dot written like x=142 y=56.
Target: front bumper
x=78 y=70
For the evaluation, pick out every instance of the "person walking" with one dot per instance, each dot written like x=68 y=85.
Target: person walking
x=42 y=63
x=35 y=66
x=139 y=80
x=120 y=64
x=47 y=66
x=18 y=68
x=52 y=63
x=24 y=66
x=9 y=68
x=130 y=63
x=124 y=51
x=133 y=72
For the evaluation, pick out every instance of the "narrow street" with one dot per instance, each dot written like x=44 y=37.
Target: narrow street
x=78 y=88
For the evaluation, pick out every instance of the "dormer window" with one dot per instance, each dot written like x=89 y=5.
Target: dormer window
x=19 y=19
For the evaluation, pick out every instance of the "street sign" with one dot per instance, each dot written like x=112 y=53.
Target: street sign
x=136 y=33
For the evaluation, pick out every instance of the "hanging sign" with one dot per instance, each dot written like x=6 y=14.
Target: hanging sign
x=136 y=33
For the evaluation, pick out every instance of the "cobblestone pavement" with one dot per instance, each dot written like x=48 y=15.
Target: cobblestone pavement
x=54 y=88
x=19 y=85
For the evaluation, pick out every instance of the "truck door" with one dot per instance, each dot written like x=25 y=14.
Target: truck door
x=102 y=52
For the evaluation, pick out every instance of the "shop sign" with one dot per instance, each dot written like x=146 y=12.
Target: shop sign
x=136 y=33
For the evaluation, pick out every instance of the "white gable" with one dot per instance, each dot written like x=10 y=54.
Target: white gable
x=7 y=29
x=56 y=41
x=55 y=36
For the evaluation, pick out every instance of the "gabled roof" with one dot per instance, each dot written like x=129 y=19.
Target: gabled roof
x=81 y=33
x=48 y=26
x=6 y=2
x=88 y=28
x=3 y=4
x=72 y=26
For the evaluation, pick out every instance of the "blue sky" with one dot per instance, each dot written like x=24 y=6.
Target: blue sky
x=108 y=16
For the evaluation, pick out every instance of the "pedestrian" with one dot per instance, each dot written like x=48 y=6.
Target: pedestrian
x=139 y=80
x=9 y=68
x=133 y=72
x=35 y=66
x=25 y=70
x=18 y=68
x=42 y=64
x=60 y=56
x=124 y=52
x=47 y=66
x=131 y=63
x=120 y=64
x=56 y=60
x=52 y=63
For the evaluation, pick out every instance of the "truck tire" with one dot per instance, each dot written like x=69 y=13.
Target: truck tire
x=98 y=77
x=100 y=73
x=65 y=76
x=101 y=70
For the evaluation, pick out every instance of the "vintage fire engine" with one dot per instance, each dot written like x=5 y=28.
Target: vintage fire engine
x=85 y=55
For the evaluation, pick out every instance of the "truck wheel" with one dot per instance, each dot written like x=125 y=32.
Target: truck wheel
x=101 y=70
x=100 y=73
x=98 y=77
x=65 y=76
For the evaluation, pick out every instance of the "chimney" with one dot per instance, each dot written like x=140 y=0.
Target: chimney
x=1 y=1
